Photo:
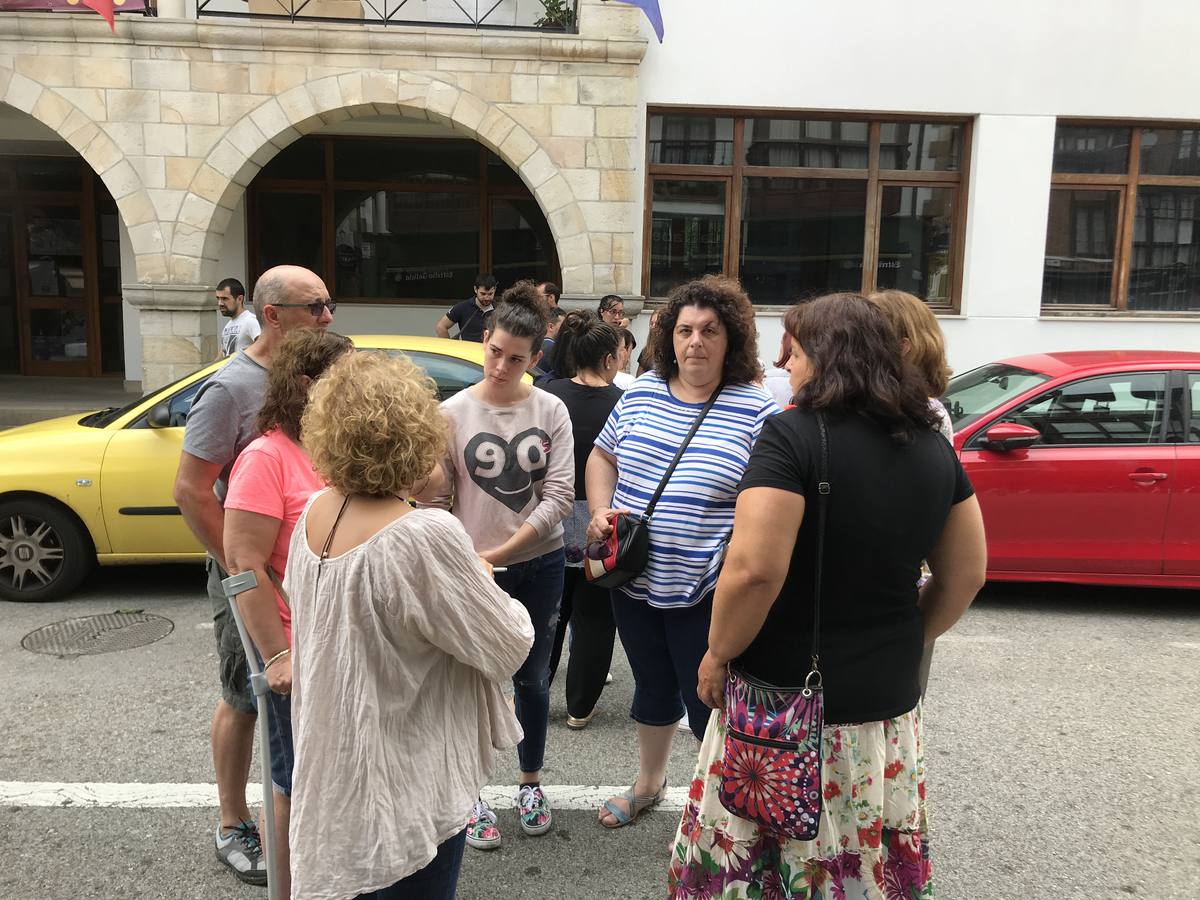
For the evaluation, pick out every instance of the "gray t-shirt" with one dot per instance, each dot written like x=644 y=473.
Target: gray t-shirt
x=224 y=416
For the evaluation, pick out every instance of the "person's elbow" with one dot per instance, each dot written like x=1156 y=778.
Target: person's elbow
x=185 y=495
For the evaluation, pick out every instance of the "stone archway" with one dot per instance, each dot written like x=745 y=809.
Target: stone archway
x=233 y=162
x=105 y=157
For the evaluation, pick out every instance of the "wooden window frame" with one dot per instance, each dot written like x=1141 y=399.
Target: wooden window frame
x=1126 y=184
x=328 y=184
x=876 y=179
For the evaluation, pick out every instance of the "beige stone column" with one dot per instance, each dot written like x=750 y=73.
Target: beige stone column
x=178 y=327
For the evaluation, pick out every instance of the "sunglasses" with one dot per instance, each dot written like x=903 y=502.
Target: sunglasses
x=316 y=308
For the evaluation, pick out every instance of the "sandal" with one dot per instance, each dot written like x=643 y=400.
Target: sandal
x=637 y=806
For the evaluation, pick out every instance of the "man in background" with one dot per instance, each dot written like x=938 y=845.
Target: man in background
x=471 y=315
x=222 y=421
x=550 y=292
x=242 y=328
x=553 y=323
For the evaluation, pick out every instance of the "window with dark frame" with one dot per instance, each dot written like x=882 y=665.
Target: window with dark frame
x=395 y=220
x=799 y=204
x=1123 y=231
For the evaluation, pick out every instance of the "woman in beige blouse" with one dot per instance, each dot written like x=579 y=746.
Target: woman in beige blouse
x=400 y=639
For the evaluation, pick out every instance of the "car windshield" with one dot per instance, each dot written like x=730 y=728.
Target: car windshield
x=976 y=393
x=106 y=417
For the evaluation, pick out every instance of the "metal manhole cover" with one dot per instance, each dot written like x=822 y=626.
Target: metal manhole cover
x=106 y=633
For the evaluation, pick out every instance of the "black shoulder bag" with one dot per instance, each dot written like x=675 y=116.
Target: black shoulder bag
x=624 y=555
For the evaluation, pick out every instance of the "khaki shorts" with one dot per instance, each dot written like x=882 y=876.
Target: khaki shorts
x=234 y=673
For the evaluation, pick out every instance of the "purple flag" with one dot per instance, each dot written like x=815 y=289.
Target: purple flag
x=653 y=13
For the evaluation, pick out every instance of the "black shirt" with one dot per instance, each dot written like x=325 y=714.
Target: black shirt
x=589 y=408
x=886 y=508
x=470 y=319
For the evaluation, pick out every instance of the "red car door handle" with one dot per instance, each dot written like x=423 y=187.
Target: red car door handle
x=1148 y=476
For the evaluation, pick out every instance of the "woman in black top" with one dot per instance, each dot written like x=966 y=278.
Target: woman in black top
x=898 y=496
x=586 y=357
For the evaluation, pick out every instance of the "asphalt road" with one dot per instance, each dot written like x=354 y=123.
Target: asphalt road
x=1061 y=725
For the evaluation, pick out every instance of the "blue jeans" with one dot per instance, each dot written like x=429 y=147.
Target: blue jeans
x=664 y=647
x=538 y=584
x=437 y=881
x=279 y=733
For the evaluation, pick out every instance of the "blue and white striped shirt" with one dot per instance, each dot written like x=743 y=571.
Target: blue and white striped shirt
x=694 y=516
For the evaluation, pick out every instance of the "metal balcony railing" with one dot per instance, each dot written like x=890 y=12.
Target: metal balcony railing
x=521 y=15
x=518 y=15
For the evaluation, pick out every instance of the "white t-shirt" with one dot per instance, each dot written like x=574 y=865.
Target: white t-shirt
x=239 y=332
x=623 y=380
x=778 y=384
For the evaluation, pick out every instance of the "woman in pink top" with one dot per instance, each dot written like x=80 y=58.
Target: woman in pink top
x=268 y=489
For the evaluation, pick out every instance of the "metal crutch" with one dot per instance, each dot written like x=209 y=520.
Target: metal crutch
x=234 y=585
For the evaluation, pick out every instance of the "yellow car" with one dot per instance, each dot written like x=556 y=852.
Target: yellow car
x=97 y=487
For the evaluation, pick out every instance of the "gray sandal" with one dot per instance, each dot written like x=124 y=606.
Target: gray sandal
x=637 y=805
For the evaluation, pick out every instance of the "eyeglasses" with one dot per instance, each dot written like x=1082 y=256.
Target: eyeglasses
x=316 y=308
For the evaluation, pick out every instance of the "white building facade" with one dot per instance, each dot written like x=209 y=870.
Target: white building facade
x=1032 y=170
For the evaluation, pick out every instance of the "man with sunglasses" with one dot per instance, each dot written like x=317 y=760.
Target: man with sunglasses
x=222 y=421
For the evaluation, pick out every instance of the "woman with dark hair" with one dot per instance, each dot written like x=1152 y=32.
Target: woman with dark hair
x=705 y=350
x=612 y=311
x=895 y=495
x=510 y=464
x=588 y=349
x=269 y=486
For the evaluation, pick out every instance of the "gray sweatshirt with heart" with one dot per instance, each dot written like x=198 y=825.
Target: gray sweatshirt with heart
x=508 y=465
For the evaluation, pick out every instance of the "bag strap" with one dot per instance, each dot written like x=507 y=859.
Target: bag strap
x=662 y=485
x=823 y=491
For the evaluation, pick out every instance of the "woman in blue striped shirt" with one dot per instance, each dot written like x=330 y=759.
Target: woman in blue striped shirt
x=705 y=342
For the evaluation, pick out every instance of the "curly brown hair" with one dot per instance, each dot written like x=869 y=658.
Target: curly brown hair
x=304 y=353
x=373 y=426
x=854 y=354
x=726 y=298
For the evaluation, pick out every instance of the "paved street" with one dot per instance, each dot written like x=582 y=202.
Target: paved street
x=1062 y=731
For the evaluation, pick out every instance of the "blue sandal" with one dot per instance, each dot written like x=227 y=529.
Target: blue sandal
x=637 y=805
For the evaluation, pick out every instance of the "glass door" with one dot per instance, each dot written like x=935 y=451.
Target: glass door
x=53 y=288
x=10 y=357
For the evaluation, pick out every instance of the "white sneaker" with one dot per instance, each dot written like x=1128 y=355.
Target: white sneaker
x=608 y=678
x=684 y=724
x=241 y=850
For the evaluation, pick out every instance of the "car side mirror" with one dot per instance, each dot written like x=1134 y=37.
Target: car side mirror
x=159 y=415
x=1010 y=436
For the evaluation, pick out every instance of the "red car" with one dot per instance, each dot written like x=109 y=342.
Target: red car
x=1086 y=464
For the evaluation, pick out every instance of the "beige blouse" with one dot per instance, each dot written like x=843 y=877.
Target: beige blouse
x=396 y=707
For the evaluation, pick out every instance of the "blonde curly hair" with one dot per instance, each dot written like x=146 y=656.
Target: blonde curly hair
x=373 y=425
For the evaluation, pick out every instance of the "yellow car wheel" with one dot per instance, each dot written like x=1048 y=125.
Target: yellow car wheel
x=44 y=551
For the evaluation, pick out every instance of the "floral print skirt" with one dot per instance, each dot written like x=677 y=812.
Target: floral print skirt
x=873 y=842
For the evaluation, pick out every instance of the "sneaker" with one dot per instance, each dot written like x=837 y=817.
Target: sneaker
x=482 y=831
x=608 y=678
x=533 y=810
x=684 y=724
x=240 y=848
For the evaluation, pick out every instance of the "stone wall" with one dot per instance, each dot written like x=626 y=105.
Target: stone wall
x=178 y=116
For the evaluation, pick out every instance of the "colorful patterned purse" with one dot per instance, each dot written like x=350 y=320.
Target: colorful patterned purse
x=771 y=768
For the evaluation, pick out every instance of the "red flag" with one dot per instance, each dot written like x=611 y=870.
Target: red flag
x=105 y=8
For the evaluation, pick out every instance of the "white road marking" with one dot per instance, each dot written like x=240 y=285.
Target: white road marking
x=193 y=796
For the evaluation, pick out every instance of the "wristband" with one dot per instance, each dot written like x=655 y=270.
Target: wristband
x=278 y=656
